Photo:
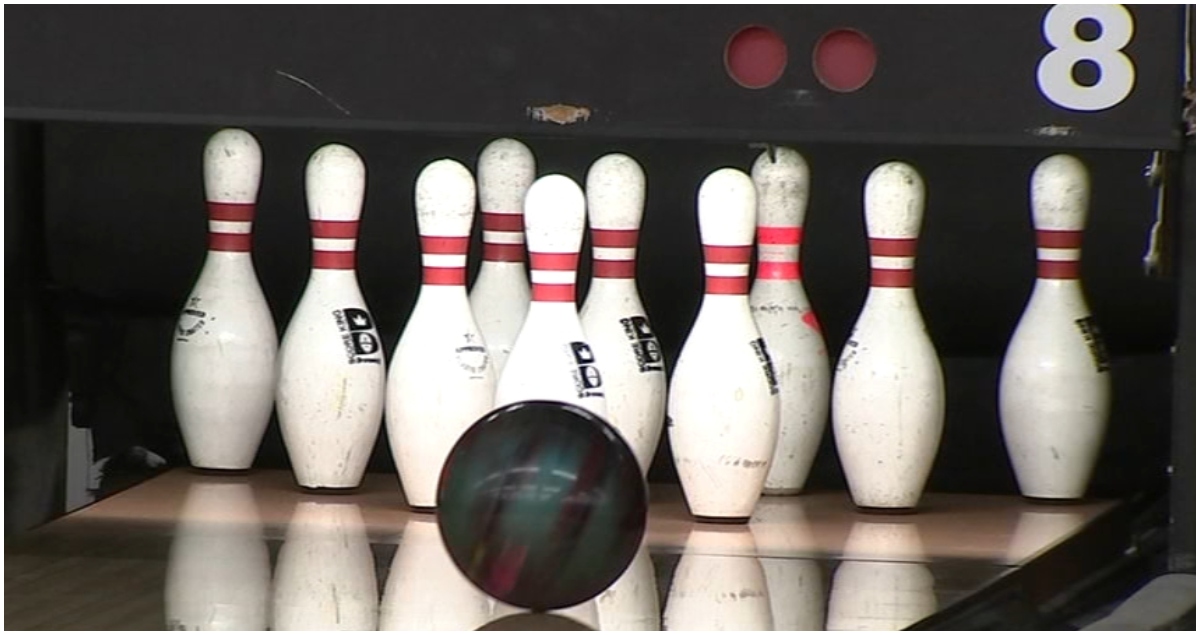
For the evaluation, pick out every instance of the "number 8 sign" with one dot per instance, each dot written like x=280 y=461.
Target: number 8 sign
x=1054 y=71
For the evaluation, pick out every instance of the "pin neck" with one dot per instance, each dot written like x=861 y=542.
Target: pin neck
x=444 y=260
x=334 y=244
x=553 y=276
x=230 y=226
x=1058 y=252
x=727 y=269
x=892 y=262
x=503 y=237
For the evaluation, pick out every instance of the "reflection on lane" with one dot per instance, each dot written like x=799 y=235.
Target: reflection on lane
x=718 y=592
x=425 y=591
x=218 y=568
x=880 y=587
x=325 y=578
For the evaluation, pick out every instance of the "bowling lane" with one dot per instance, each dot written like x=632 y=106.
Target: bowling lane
x=186 y=550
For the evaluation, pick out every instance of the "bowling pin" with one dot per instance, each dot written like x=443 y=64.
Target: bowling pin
x=888 y=392
x=441 y=380
x=218 y=568
x=723 y=402
x=331 y=365
x=551 y=358
x=787 y=322
x=1054 y=382
x=882 y=583
x=713 y=589
x=223 y=357
x=425 y=591
x=614 y=320
x=500 y=295
x=325 y=575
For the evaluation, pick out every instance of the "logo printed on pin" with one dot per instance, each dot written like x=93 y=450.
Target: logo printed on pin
x=645 y=346
x=586 y=374
x=358 y=335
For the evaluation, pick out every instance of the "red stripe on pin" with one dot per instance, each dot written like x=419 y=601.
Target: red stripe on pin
x=898 y=247
x=772 y=270
x=504 y=252
x=236 y=212
x=768 y=235
x=448 y=276
x=553 y=292
x=333 y=259
x=622 y=238
x=895 y=278
x=334 y=228
x=554 y=262
x=218 y=241
x=614 y=268
x=1058 y=269
x=499 y=222
x=1059 y=238
x=723 y=254
x=721 y=285
x=453 y=245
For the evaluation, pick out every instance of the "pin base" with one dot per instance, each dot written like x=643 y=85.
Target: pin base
x=423 y=509
x=220 y=471
x=722 y=520
x=1045 y=500
x=886 y=511
x=330 y=491
x=783 y=491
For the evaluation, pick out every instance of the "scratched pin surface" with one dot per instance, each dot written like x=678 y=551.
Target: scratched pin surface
x=332 y=369
x=225 y=345
x=1055 y=382
x=888 y=400
x=723 y=403
x=441 y=378
x=788 y=323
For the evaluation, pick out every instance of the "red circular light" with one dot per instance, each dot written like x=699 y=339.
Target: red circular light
x=844 y=60
x=755 y=57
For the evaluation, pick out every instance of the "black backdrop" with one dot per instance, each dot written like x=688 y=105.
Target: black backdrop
x=126 y=234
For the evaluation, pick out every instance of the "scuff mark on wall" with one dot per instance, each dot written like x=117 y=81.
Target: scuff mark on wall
x=561 y=114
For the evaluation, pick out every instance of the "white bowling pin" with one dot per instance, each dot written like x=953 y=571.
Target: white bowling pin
x=331 y=365
x=787 y=322
x=425 y=591
x=631 y=603
x=712 y=592
x=1054 y=382
x=500 y=295
x=325 y=574
x=882 y=585
x=613 y=317
x=723 y=402
x=223 y=357
x=888 y=392
x=441 y=378
x=218 y=569
x=551 y=358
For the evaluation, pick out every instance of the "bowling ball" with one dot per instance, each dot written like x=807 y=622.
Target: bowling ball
x=541 y=505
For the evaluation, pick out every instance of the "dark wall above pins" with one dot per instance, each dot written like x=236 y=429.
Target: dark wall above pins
x=126 y=232
x=1062 y=76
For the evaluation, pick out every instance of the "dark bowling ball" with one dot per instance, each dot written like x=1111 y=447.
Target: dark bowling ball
x=541 y=504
